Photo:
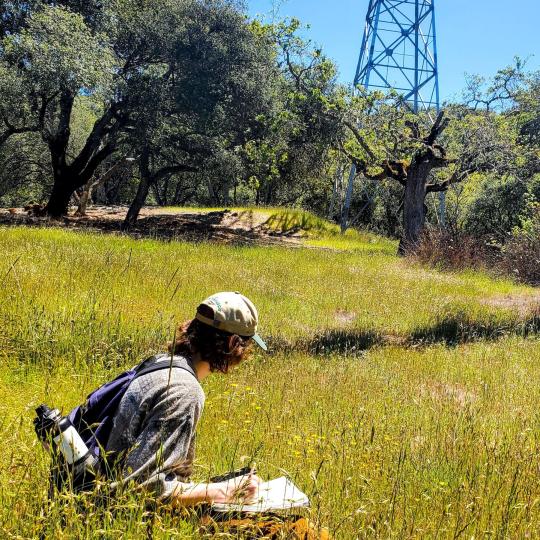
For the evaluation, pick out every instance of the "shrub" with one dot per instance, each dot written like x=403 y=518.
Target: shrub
x=521 y=255
x=518 y=258
x=456 y=250
x=497 y=207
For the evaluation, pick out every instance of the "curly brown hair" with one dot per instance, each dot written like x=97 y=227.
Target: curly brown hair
x=221 y=350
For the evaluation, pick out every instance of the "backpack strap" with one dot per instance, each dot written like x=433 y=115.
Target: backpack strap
x=147 y=367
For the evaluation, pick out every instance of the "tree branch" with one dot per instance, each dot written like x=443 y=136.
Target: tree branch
x=171 y=170
x=441 y=123
x=457 y=176
x=358 y=136
x=101 y=127
x=86 y=173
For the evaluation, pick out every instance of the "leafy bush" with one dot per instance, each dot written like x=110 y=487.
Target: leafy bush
x=496 y=208
x=521 y=255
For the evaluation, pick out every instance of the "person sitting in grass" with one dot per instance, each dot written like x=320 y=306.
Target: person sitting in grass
x=151 y=443
x=154 y=427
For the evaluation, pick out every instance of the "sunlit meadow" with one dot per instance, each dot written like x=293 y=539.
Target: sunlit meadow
x=402 y=400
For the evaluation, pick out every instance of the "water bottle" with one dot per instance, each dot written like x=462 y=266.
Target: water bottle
x=50 y=425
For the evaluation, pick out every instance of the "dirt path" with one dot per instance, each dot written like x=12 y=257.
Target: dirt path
x=522 y=303
x=227 y=227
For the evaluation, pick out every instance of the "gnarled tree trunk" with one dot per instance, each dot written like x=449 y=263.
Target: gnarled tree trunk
x=415 y=179
x=59 y=199
x=414 y=210
x=84 y=198
x=72 y=176
x=66 y=181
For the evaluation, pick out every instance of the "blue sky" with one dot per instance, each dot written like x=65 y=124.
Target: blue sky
x=474 y=36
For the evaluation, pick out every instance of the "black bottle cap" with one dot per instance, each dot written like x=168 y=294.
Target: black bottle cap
x=46 y=420
x=42 y=410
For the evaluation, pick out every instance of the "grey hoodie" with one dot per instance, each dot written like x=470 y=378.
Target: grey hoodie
x=155 y=428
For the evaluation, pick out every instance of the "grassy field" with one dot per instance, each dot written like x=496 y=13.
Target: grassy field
x=404 y=401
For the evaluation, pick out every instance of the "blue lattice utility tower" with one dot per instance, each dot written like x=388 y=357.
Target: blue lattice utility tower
x=399 y=50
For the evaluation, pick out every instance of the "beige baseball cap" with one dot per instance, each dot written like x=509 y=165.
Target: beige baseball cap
x=233 y=313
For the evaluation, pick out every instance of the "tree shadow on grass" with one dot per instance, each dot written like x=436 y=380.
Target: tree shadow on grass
x=454 y=329
x=450 y=330
x=222 y=226
x=348 y=342
x=344 y=342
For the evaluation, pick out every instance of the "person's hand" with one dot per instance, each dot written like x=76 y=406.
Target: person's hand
x=240 y=490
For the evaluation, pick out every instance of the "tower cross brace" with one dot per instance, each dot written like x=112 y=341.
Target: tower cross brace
x=399 y=51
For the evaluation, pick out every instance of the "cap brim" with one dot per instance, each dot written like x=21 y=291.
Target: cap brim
x=260 y=342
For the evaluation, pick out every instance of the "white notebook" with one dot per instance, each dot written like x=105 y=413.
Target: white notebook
x=278 y=494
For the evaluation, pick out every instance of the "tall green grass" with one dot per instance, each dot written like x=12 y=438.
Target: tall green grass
x=114 y=297
x=400 y=399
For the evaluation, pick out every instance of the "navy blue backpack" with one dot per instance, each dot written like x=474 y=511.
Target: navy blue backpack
x=94 y=420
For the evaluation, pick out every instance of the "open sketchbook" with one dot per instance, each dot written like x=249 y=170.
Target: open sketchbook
x=278 y=494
